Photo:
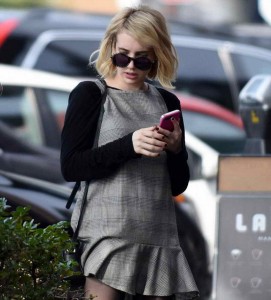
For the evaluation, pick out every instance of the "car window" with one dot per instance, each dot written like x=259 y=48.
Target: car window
x=67 y=57
x=58 y=102
x=195 y=163
x=19 y=112
x=247 y=66
x=222 y=136
x=10 y=53
x=34 y=115
x=200 y=73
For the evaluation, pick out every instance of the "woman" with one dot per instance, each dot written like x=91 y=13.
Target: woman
x=129 y=227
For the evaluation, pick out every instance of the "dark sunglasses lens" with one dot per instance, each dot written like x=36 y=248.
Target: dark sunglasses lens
x=120 y=60
x=142 y=63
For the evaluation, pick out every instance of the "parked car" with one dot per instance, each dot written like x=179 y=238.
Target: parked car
x=25 y=30
x=9 y=20
x=44 y=165
x=33 y=104
x=27 y=26
x=6 y=27
x=256 y=34
x=47 y=200
x=215 y=69
x=213 y=124
x=253 y=33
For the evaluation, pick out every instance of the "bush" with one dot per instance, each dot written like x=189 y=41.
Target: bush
x=31 y=264
x=22 y=3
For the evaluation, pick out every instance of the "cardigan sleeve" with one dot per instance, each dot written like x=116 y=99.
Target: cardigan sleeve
x=177 y=163
x=79 y=162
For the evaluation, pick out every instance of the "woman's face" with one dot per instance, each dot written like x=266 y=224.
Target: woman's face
x=130 y=77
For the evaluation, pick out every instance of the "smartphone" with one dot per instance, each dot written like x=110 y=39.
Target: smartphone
x=165 y=120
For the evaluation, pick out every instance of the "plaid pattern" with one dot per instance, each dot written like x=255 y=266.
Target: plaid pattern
x=129 y=227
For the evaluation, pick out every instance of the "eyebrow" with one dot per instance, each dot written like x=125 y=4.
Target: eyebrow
x=137 y=53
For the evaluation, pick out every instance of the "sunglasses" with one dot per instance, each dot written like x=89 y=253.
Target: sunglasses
x=122 y=60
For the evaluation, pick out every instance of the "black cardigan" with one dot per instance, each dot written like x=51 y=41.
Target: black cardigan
x=79 y=162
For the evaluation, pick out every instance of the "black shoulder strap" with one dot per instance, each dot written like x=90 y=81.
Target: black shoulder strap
x=102 y=85
x=72 y=195
x=162 y=91
x=170 y=99
x=82 y=211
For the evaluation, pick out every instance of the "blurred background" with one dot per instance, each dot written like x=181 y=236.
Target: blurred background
x=44 y=52
x=210 y=11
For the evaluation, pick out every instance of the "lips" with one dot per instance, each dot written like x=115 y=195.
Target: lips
x=130 y=75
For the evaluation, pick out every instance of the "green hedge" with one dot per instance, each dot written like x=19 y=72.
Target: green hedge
x=31 y=264
x=22 y=3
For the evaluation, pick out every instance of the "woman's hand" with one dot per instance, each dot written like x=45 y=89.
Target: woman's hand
x=148 y=141
x=173 y=139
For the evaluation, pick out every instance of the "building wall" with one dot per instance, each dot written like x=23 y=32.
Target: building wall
x=100 y=6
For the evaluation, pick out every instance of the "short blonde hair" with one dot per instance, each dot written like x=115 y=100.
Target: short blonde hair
x=148 y=26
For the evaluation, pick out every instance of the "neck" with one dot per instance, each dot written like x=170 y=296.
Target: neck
x=126 y=87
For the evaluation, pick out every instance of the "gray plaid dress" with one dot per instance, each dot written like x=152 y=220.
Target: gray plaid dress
x=129 y=226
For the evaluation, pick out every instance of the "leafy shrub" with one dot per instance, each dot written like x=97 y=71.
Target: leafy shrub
x=22 y=3
x=31 y=264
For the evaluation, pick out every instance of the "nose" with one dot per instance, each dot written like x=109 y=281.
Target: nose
x=131 y=62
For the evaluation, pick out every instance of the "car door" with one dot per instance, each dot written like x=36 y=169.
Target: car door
x=34 y=115
x=64 y=52
x=51 y=105
x=18 y=110
x=201 y=73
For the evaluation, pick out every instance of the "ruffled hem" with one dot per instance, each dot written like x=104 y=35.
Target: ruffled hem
x=139 y=268
x=184 y=296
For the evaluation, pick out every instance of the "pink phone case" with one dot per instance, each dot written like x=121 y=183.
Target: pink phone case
x=165 y=120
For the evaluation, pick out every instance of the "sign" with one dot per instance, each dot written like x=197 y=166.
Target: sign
x=243 y=261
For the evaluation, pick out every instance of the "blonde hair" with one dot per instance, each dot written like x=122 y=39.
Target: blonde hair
x=148 y=26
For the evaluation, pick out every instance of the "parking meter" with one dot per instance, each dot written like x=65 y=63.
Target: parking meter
x=255 y=111
x=242 y=254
